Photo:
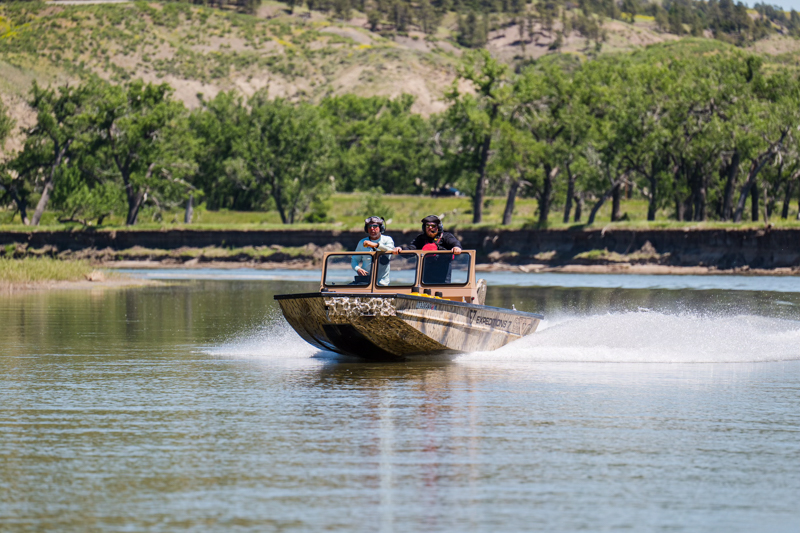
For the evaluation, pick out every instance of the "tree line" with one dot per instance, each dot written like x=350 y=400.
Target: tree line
x=554 y=20
x=699 y=136
x=98 y=149
x=726 y=20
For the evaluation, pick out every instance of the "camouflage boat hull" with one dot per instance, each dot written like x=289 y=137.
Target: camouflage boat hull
x=399 y=326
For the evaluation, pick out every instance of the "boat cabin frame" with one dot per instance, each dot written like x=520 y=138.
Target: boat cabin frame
x=441 y=274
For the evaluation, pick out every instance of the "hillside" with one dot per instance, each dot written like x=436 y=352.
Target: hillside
x=201 y=51
x=304 y=54
x=298 y=53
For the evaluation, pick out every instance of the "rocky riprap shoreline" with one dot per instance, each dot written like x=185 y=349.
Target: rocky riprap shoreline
x=718 y=249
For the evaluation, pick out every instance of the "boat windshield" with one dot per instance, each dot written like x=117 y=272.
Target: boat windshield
x=403 y=269
x=343 y=269
x=445 y=268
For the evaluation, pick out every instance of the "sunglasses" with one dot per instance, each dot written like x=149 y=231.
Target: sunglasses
x=374 y=226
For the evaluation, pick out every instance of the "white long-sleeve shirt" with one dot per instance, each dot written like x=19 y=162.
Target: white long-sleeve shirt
x=385 y=244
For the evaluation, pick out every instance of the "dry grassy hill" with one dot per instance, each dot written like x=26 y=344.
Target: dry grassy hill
x=201 y=51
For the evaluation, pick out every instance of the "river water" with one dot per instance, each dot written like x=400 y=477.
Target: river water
x=644 y=403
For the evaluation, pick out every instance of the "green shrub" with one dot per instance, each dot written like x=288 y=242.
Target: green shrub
x=373 y=204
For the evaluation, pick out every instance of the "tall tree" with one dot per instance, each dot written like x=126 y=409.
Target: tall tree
x=770 y=116
x=12 y=188
x=218 y=124
x=286 y=148
x=62 y=118
x=143 y=132
x=647 y=87
x=380 y=142
x=549 y=108
x=699 y=106
x=601 y=87
x=517 y=158
x=475 y=119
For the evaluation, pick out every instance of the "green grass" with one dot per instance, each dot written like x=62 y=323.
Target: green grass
x=41 y=269
x=211 y=253
x=347 y=212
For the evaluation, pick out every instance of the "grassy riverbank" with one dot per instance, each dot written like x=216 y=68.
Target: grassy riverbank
x=42 y=269
x=344 y=211
x=45 y=272
x=403 y=212
x=32 y=273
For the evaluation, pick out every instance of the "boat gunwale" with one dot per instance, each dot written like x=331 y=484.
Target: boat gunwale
x=408 y=296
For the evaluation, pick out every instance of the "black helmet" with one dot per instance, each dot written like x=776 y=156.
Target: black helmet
x=375 y=220
x=432 y=219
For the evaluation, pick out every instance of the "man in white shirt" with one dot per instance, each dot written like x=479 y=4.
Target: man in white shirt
x=375 y=227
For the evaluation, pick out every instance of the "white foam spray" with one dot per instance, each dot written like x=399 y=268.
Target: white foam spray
x=652 y=337
x=631 y=337
x=275 y=339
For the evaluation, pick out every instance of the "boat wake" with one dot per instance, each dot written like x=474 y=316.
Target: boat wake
x=633 y=337
x=652 y=337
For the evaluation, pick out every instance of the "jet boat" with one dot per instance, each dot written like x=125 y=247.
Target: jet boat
x=384 y=306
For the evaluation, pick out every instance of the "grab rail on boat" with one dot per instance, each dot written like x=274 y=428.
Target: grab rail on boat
x=429 y=273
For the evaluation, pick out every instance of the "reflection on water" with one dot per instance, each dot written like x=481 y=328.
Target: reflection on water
x=194 y=407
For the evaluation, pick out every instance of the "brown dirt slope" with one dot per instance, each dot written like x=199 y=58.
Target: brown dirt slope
x=302 y=55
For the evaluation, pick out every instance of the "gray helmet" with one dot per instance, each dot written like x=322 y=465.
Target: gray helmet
x=375 y=220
